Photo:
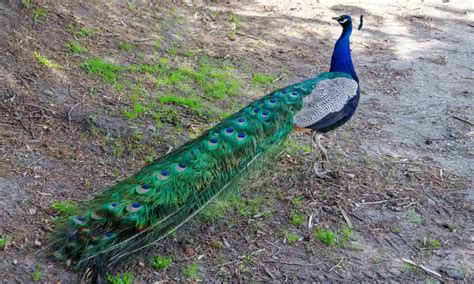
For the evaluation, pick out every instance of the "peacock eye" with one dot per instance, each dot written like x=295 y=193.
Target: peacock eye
x=229 y=130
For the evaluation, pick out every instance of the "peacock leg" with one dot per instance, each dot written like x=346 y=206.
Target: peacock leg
x=316 y=142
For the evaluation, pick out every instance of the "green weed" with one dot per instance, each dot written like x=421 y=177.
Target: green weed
x=414 y=217
x=290 y=237
x=122 y=278
x=263 y=79
x=86 y=32
x=64 y=207
x=191 y=271
x=297 y=201
x=173 y=50
x=165 y=114
x=192 y=103
x=189 y=53
x=26 y=3
x=235 y=19
x=297 y=219
x=157 y=43
x=161 y=262
x=328 y=237
x=37 y=274
x=126 y=46
x=433 y=243
x=117 y=149
x=107 y=70
x=4 y=241
x=43 y=60
x=74 y=47
x=39 y=12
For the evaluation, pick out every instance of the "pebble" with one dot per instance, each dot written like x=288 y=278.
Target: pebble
x=141 y=264
x=15 y=262
x=37 y=243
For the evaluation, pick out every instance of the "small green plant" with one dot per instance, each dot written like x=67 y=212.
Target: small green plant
x=157 y=43
x=26 y=3
x=37 y=274
x=85 y=31
x=414 y=217
x=4 y=241
x=126 y=46
x=290 y=237
x=433 y=243
x=173 y=50
x=189 y=53
x=328 y=237
x=297 y=201
x=345 y=235
x=64 y=207
x=192 y=103
x=122 y=278
x=411 y=268
x=117 y=149
x=297 y=219
x=263 y=79
x=39 y=12
x=107 y=70
x=161 y=262
x=43 y=60
x=236 y=21
x=74 y=47
x=191 y=271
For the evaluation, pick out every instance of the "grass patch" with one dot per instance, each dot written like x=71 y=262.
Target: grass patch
x=26 y=4
x=64 y=207
x=86 y=32
x=161 y=262
x=39 y=12
x=192 y=271
x=414 y=217
x=327 y=237
x=432 y=243
x=37 y=274
x=297 y=219
x=173 y=49
x=122 y=278
x=235 y=20
x=290 y=237
x=332 y=239
x=45 y=61
x=4 y=241
x=126 y=46
x=74 y=47
x=107 y=70
x=165 y=114
x=297 y=201
x=192 y=103
x=263 y=79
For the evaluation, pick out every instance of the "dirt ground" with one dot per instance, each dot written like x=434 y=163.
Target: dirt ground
x=402 y=168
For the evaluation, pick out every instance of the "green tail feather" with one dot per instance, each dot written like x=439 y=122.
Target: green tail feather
x=155 y=201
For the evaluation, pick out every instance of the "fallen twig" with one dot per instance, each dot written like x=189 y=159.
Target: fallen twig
x=34 y=162
x=337 y=265
x=380 y=202
x=461 y=119
x=279 y=78
x=346 y=218
x=292 y=263
x=70 y=111
x=249 y=36
x=424 y=268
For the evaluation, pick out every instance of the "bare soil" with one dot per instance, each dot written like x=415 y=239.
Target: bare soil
x=402 y=168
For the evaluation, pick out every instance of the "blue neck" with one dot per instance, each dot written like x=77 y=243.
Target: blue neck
x=341 y=60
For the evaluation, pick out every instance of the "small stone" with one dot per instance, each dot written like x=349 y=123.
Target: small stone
x=141 y=264
x=15 y=262
x=151 y=128
x=32 y=211
x=351 y=175
x=37 y=243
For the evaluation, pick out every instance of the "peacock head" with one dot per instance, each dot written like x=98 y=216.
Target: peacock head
x=346 y=21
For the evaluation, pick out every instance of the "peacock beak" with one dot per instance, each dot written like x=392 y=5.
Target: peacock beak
x=335 y=18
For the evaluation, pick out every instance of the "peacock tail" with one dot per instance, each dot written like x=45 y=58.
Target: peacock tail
x=149 y=205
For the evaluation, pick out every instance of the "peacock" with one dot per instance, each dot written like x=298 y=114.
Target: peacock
x=149 y=205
